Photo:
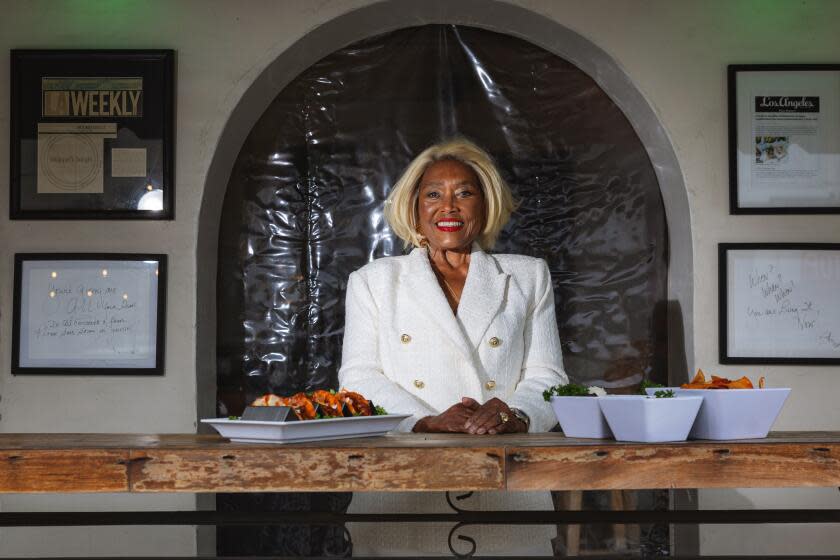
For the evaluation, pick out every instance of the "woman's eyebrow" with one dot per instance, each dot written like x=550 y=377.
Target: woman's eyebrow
x=468 y=182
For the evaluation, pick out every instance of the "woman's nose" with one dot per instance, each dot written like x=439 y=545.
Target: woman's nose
x=450 y=203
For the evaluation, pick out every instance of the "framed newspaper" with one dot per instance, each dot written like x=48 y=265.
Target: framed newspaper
x=784 y=138
x=89 y=314
x=92 y=134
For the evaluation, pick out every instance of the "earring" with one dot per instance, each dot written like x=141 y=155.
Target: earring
x=422 y=239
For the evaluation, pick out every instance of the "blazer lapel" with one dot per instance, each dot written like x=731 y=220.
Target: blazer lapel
x=426 y=292
x=482 y=297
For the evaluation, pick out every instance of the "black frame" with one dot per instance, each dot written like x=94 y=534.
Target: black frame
x=160 y=341
x=723 y=330
x=79 y=63
x=732 y=71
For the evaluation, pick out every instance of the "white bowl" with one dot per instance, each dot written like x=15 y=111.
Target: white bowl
x=581 y=417
x=735 y=413
x=648 y=419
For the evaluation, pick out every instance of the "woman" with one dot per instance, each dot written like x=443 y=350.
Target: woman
x=462 y=340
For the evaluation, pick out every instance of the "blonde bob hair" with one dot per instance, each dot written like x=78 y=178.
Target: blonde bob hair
x=401 y=205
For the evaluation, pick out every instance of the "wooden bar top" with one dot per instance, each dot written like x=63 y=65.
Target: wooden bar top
x=70 y=463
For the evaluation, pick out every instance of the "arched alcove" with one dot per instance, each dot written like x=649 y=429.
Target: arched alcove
x=495 y=16
x=388 y=16
x=304 y=205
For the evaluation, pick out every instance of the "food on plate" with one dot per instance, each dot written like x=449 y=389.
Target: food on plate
x=268 y=400
x=304 y=408
x=330 y=405
x=299 y=403
x=323 y=404
x=356 y=403
x=699 y=382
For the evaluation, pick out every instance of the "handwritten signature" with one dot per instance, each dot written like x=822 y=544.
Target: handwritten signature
x=828 y=338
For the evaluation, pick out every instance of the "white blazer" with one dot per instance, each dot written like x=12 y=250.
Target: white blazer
x=405 y=350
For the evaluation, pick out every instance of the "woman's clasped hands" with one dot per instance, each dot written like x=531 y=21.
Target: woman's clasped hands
x=470 y=417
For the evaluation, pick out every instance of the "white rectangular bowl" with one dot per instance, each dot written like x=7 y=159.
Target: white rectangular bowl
x=581 y=417
x=650 y=420
x=252 y=431
x=735 y=413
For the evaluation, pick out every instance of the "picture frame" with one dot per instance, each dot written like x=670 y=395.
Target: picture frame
x=92 y=135
x=784 y=138
x=778 y=304
x=89 y=314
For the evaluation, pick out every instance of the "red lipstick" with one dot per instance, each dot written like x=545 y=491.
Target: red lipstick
x=450 y=225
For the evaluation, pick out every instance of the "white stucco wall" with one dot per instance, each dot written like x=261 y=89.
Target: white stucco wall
x=675 y=52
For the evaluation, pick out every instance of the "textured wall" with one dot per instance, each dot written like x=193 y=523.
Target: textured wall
x=675 y=52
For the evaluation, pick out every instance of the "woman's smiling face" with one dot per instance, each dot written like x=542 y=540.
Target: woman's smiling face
x=450 y=206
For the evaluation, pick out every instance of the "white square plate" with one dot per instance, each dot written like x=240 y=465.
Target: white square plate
x=254 y=431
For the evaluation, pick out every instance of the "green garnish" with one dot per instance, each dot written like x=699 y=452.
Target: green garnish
x=233 y=417
x=664 y=394
x=569 y=390
x=646 y=384
x=379 y=411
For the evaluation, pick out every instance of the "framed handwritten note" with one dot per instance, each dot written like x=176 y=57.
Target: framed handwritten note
x=89 y=314
x=779 y=303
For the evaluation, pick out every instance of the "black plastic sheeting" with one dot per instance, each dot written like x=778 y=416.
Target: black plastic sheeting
x=304 y=209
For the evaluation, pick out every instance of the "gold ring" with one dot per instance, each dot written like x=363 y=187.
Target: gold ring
x=504 y=417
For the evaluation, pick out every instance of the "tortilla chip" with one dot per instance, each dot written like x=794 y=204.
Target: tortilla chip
x=699 y=378
x=717 y=382
x=743 y=383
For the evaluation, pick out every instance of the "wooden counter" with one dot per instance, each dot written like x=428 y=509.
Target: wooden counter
x=420 y=462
